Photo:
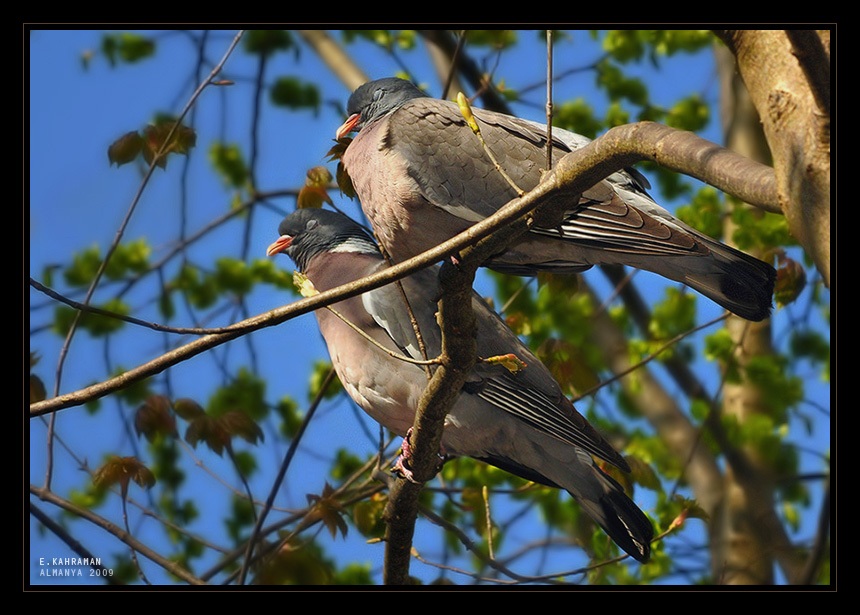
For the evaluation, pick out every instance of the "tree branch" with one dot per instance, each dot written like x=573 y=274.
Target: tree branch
x=576 y=172
x=815 y=62
x=340 y=63
x=797 y=132
x=173 y=567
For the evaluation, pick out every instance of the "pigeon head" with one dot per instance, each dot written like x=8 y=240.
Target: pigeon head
x=307 y=232
x=375 y=99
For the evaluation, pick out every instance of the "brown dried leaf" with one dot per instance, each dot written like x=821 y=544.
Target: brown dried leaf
x=187 y=409
x=125 y=149
x=239 y=424
x=37 y=389
x=327 y=509
x=153 y=417
x=790 y=280
x=121 y=470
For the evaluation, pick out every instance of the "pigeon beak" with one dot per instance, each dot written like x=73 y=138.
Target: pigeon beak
x=280 y=244
x=348 y=126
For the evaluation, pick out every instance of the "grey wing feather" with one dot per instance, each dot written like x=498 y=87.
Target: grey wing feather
x=426 y=130
x=542 y=413
x=386 y=306
x=532 y=394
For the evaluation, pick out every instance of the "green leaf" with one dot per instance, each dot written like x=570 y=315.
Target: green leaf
x=291 y=416
x=669 y=42
x=691 y=113
x=387 y=39
x=578 y=116
x=568 y=365
x=246 y=393
x=166 y=307
x=135 y=393
x=297 y=562
x=165 y=137
x=624 y=45
x=755 y=228
x=241 y=519
x=616 y=116
x=201 y=293
x=345 y=464
x=265 y=270
x=245 y=462
x=103 y=325
x=126 y=47
x=125 y=149
x=128 y=258
x=84 y=267
x=318 y=375
x=495 y=39
x=353 y=574
x=367 y=516
x=229 y=164
x=809 y=344
x=782 y=390
x=719 y=346
x=95 y=324
x=673 y=315
x=706 y=212
x=618 y=86
x=233 y=276
x=642 y=473
x=267 y=42
x=295 y=94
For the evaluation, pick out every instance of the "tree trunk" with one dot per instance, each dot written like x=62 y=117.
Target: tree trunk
x=787 y=74
x=739 y=553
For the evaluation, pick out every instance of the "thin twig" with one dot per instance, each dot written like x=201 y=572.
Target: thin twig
x=466 y=110
x=390 y=353
x=60 y=532
x=651 y=356
x=548 y=99
x=134 y=559
x=488 y=521
x=172 y=567
x=282 y=471
x=64 y=350
x=619 y=147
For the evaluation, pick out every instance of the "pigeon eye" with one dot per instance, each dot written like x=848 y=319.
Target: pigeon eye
x=311 y=225
x=378 y=94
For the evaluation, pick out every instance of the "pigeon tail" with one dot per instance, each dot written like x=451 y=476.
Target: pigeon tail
x=736 y=281
x=621 y=519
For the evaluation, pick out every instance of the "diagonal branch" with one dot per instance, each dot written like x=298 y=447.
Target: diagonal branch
x=577 y=171
x=171 y=566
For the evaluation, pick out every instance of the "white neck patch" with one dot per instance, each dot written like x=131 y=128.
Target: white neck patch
x=362 y=246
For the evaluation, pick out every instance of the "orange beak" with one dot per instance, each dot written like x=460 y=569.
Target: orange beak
x=279 y=245
x=348 y=126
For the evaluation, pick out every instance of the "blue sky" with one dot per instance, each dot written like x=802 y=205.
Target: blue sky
x=77 y=200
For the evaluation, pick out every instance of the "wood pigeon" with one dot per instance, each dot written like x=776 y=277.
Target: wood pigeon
x=422 y=177
x=519 y=421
